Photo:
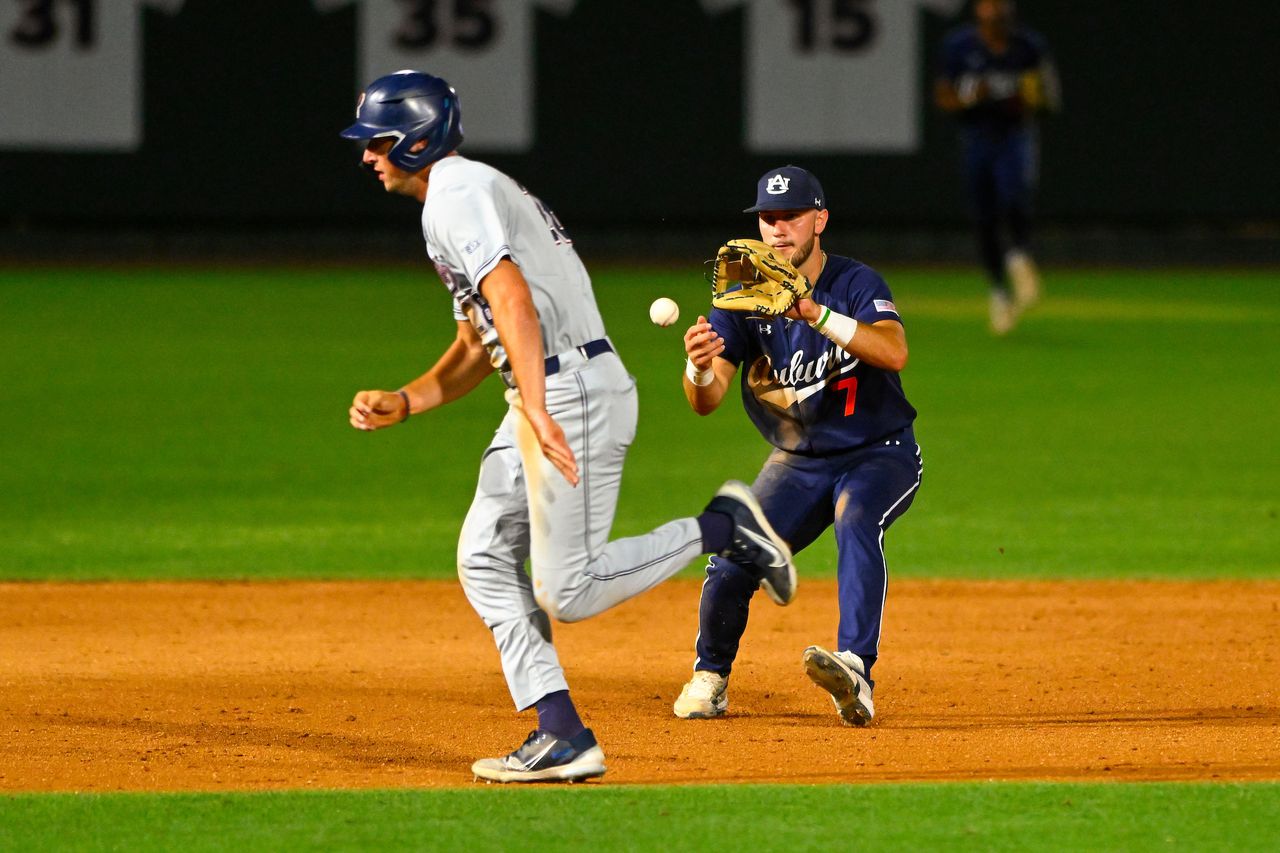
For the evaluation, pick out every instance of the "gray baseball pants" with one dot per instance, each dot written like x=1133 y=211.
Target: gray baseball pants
x=525 y=509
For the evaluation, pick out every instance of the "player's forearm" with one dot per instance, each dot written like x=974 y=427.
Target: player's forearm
x=879 y=346
x=456 y=373
x=703 y=399
x=516 y=320
x=705 y=390
x=882 y=344
x=522 y=340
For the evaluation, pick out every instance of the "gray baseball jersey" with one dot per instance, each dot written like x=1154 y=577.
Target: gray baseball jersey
x=523 y=508
x=474 y=217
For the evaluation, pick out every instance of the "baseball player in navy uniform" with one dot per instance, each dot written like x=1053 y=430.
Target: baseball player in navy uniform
x=997 y=77
x=821 y=384
x=549 y=480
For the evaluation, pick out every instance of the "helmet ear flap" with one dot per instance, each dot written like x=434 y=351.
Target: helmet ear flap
x=403 y=155
x=442 y=133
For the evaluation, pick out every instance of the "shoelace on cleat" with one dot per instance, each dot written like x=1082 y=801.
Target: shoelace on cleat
x=703 y=687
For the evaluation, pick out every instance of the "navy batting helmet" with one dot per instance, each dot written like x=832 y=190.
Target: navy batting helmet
x=409 y=105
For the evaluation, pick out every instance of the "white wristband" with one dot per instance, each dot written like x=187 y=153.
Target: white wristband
x=835 y=327
x=701 y=378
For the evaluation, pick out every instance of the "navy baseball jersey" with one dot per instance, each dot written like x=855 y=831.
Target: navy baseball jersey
x=805 y=394
x=967 y=61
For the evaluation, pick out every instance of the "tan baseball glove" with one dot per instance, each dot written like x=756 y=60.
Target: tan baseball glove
x=748 y=275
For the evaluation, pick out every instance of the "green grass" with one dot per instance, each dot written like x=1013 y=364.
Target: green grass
x=984 y=816
x=192 y=423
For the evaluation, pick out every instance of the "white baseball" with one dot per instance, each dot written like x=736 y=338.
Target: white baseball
x=664 y=311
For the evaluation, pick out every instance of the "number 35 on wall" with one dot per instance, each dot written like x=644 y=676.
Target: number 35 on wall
x=468 y=24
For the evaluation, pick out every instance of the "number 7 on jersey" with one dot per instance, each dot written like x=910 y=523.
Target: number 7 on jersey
x=849 y=385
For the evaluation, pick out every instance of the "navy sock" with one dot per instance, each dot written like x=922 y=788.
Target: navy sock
x=717 y=531
x=557 y=715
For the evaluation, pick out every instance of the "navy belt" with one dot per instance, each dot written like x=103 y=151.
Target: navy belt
x=589 y=351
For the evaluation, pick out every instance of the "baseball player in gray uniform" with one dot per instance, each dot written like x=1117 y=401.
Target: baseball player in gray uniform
x=549 y=480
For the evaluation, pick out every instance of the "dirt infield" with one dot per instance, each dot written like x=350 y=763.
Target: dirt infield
x=185 y=686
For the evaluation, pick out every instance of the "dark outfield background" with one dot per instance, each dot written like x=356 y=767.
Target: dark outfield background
x=1166 y=149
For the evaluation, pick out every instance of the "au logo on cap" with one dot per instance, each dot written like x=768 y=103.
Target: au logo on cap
x=777 y=185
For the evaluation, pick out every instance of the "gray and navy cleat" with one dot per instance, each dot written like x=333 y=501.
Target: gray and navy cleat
x=755 y=545
x=543 y=757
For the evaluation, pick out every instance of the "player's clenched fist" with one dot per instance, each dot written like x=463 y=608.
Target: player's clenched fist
x=702 y=344
x=372 y=410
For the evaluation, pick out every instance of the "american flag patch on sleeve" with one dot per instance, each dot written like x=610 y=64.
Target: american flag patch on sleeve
x=885 y=305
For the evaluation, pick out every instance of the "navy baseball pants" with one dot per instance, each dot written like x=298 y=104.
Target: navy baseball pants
x=1000 y=172
x=861 y=492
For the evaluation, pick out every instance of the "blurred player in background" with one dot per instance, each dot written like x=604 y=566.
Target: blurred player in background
x=997 y=77
x=821 y=384
x=549 y=480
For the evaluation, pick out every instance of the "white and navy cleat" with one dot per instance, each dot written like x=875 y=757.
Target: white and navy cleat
x=843 y=676
x=705 y=696
x=543 y=757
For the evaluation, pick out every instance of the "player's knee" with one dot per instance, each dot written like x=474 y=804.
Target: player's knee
x=471 y=579
x=550 y=605
x=559 y=602
x=571 y=612
x=849 y=513
x=484 y=582
x=558 y=609
x=467 y=570
x=727 y=575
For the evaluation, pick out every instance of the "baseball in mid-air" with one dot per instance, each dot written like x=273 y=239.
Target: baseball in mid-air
x=664 y=311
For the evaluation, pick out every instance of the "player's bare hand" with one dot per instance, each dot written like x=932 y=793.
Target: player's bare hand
x=805 y=309
x=702 y=344
x=372 y=410
x=554 y=445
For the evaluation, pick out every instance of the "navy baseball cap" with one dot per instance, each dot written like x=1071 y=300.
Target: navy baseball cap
x=788 y=188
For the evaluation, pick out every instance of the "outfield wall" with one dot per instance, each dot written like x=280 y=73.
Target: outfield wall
x=639 y=115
